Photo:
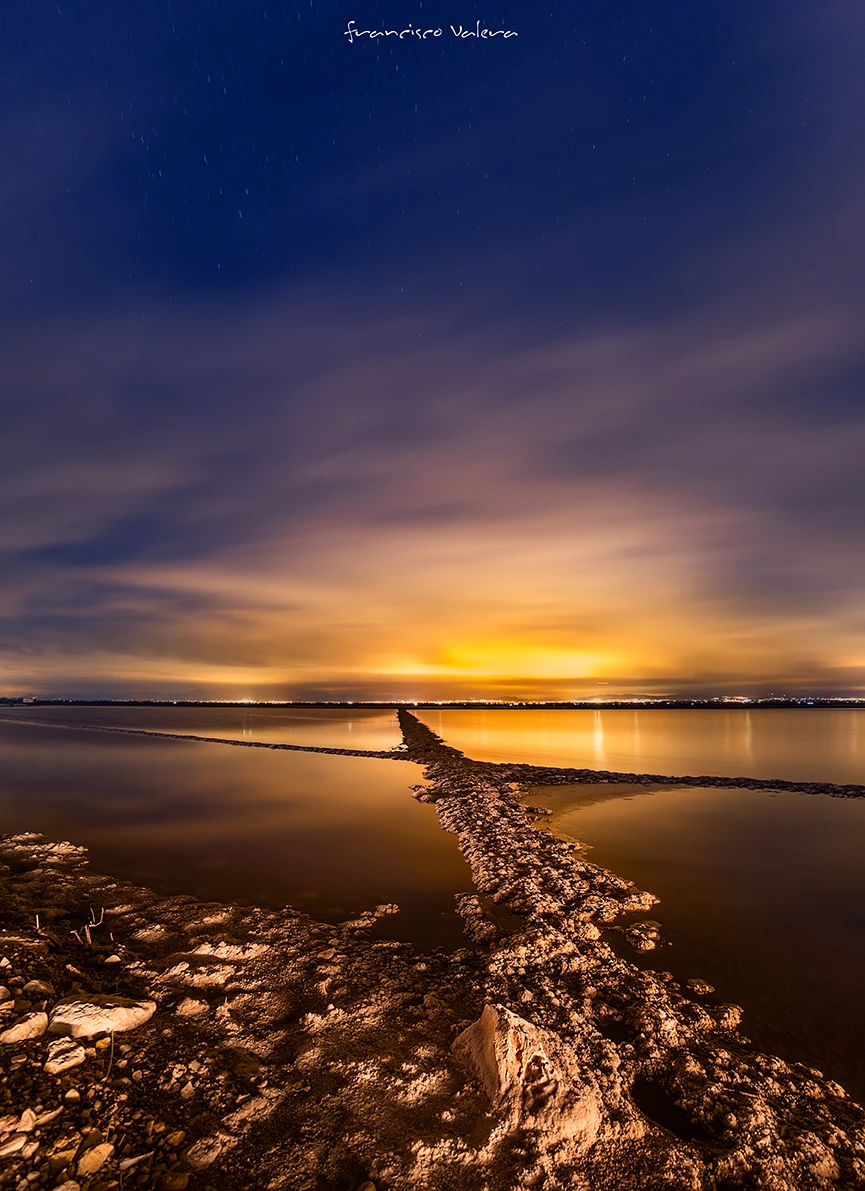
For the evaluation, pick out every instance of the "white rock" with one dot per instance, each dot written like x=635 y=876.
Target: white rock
x=92 y=1013
x=31 y=1025
x=533 y=1078
x=63 y=1055
x=130 y=1163
x=14 y=1145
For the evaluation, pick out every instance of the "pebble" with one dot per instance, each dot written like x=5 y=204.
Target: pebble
x=69 y=1185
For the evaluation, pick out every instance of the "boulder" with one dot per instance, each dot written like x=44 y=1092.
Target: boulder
x=533 y=1078
x=86 y=1014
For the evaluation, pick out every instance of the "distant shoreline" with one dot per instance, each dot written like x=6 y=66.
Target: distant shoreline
x=712 y=704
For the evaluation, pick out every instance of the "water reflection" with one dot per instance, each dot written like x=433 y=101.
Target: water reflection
x=816 y=744
x=332 y=834
x=761 y=894
x=355 y=728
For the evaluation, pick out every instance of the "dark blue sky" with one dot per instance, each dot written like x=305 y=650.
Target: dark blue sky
x=278 y=308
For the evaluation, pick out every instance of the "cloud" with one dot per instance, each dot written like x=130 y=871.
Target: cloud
x=569 y=471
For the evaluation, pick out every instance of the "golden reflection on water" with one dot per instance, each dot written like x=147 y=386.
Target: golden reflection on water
x=817 y=744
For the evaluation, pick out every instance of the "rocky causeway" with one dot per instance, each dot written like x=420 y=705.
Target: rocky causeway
x=159 y=1042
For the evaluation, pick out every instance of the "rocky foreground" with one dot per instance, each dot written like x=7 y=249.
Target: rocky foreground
x=151 y=1042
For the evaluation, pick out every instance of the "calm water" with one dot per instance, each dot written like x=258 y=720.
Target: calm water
x=332 y=835
x=763 y=895
x=816 y=744
x=339 y=728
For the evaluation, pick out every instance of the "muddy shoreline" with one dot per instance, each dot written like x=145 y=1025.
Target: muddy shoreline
x=292 y=1054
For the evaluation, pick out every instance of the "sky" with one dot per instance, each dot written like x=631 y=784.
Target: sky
x=390 y=367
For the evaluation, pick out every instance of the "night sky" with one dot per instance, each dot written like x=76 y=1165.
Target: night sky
x=418 y=368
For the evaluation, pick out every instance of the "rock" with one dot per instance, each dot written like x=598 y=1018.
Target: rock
x=69 y=1185
x=73 y=1096
x=28 y=1121
x=47 y=1117
x=189 y=1007
x=130 y=1163
x=31 y=1025
x=204 y=1153
x=533 y=1079
x=700 y=987
x=367 y=1186
x=14 y=1145
x=93 y=1013
x=39 y=988
x=644 y=936
x=112 y=959
x=95 y=1159
x=5 y=994
x=173 y=1180
x=63 y=1055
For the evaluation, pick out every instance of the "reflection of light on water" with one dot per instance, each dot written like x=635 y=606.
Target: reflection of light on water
x=598 y=740
x=748 y=736
x=635 y=736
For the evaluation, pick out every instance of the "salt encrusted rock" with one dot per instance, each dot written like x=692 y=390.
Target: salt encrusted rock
x=86 y=1014
x=63 y=1055
x=644 y=936
x=31 y=1025
x=534 y=1080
